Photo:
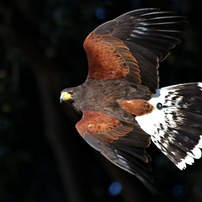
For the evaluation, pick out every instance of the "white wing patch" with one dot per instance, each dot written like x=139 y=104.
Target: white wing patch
x=159 y=118
x=175 y=108
x=200 y=85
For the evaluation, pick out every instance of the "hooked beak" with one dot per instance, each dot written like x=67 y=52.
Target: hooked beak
x=65 y=96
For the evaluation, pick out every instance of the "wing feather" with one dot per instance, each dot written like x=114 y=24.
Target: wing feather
x=120 y=142
x=114 y=48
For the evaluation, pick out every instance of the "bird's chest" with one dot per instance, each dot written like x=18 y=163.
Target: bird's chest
x=104 y=98
x=98 y=97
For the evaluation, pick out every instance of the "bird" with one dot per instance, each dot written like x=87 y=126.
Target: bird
x=123 y=108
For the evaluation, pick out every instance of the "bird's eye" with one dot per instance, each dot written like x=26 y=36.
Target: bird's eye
x=71 y=93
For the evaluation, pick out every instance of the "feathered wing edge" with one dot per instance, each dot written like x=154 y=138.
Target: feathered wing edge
x=175 y=125
x=129 y=154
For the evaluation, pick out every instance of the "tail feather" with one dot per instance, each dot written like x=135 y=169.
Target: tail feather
x=175 y=124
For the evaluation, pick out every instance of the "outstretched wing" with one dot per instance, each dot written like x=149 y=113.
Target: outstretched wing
x=122 y=143
x=132 y=45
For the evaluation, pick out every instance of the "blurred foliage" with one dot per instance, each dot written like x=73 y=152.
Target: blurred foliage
x=42 y=157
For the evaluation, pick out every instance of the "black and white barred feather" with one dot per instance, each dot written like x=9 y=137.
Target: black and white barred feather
x=175 y=125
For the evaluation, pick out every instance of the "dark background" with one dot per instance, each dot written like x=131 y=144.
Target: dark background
x=42 y=157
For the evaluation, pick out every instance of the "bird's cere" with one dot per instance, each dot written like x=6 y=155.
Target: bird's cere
x=65 y=96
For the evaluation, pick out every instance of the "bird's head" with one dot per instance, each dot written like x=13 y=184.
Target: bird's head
x=72 y=96
x=68 y=95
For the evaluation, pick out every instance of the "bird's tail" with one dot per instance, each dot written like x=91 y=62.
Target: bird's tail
x=175 y=124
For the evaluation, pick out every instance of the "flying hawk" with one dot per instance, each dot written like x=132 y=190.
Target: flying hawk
x=123 y=108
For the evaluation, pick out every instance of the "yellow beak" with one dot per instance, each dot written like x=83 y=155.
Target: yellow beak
x=65 y=96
